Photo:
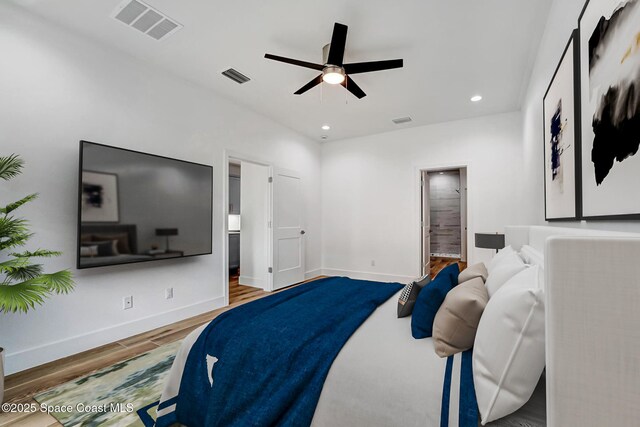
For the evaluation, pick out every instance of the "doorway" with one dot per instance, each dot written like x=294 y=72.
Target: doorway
x=265 y=235
x=443 y=218
x=248 y=230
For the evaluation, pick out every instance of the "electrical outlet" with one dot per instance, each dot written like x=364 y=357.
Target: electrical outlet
x=168 y=293
x=127 y=302
x=373 y=263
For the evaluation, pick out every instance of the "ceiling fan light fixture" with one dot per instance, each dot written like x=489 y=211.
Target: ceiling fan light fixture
x=333 y=75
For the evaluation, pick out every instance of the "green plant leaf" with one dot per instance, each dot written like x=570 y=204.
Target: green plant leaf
x=25 y=273
x=15 y=205
x=39 y=253
x=60 y=282
x=21 y=296
x=15 y=241
x=22 y=283
x=10 y=226
x=10 y=166
x=12 y=264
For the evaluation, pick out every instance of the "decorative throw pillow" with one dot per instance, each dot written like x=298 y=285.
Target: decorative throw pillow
x=106 y=248
x=476 y=270
x=508 y=355
x=86 y=238
x=509 y=266
x=122 y=241
x=507 y=250
x=409 y=295
x=88 y=251
x=430 y=299
x=455 y=325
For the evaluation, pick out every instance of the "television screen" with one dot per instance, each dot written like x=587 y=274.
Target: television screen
x=137 y=207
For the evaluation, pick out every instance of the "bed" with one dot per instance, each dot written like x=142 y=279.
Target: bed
x=125 y=237
x=384 y=377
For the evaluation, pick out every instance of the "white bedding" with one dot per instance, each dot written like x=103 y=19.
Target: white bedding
x=382 y=377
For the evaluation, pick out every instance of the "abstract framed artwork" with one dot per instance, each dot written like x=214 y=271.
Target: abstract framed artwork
x=561 y=113
x=610 y=105
x=99 y=197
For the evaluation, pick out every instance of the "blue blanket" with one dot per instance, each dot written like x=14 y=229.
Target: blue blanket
x=264 y=363
x=467 y=405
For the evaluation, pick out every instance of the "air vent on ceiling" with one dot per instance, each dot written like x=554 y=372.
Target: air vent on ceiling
x=146 y=19
x=236 y=76
x=402 y=120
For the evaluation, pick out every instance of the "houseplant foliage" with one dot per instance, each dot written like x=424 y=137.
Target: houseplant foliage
x=23 y=283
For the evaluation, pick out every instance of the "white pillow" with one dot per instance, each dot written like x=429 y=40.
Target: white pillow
x=531 y=256
x=499 y=256
x=506 y=267
x=508 y=354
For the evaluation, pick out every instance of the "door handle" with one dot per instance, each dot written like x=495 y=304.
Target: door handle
x=302 y=232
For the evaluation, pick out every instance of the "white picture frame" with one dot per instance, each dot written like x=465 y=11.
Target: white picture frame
x=610 y=73
x=561 y=116
x=99 y=197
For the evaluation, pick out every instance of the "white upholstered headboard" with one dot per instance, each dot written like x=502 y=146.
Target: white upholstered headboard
x=592 y=300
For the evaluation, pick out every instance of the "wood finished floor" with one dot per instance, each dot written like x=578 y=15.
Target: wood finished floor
x=21 y=387
x=438 y=263
x=238 y=292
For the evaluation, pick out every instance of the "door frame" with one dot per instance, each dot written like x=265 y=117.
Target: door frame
x=418 y=170
x=230 y=155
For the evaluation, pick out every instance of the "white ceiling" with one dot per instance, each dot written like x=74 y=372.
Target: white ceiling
x=452 y=49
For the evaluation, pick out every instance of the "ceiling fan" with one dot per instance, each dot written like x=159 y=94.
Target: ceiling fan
x=334 y=70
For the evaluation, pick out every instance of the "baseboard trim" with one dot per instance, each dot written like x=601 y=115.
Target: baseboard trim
x=312 y=274
x=35 y=356
x=366 y=275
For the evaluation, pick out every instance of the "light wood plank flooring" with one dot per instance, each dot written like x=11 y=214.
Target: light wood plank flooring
x=21 y=387
x=238 y=292
x=438 y=263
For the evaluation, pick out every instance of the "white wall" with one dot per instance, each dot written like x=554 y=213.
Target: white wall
x=254 y=236
x=563 y=18
x=370 y=192
x=57 y=88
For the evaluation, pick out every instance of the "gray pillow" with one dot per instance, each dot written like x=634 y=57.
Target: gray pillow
x=455 y=325
x=409 y=295
x=476 y=270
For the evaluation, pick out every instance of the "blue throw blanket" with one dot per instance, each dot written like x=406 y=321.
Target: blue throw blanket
x=264 y=363
x=467 y=404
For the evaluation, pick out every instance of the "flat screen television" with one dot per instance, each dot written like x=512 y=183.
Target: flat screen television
x=138 y=207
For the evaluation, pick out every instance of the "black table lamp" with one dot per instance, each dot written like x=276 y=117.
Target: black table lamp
x=490 y=241
x=167 y=232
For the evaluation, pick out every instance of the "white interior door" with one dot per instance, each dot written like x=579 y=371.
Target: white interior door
x=254 y=232
x=426 y=224
x=288 y=231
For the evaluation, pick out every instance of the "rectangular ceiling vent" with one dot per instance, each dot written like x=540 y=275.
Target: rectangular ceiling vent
x=146 y=19
x=402 y=120
x=236 y=76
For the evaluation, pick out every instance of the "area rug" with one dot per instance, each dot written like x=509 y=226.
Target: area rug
x=124 y=394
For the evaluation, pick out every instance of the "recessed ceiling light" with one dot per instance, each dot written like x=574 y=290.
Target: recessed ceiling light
x=326 y=127
x=476 y=98
x=441 y=173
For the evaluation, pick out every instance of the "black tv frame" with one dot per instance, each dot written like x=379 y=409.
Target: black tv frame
x=106 y=224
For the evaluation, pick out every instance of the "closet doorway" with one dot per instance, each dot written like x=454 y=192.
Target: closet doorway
x=248 y=230
x=443 y=218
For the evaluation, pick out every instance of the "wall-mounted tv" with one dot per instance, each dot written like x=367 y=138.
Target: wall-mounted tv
x=139 y=207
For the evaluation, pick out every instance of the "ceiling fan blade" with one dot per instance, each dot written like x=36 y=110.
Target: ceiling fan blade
x=294 y=62
x=338 y=44
x=353 y=87
x=313 y=83
x=366 y=67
